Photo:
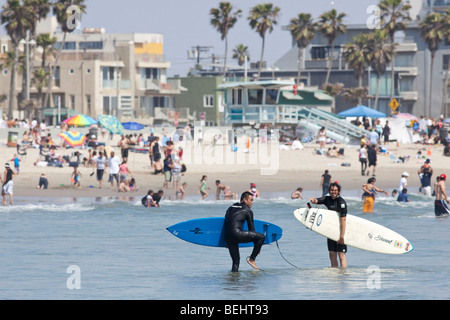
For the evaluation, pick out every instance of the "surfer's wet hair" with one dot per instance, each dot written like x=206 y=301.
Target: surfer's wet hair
x=335 y=184
x=245 y=195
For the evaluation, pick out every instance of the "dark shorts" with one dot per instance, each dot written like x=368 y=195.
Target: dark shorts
x=100 y=174
x=335 y=247
x=441 y=208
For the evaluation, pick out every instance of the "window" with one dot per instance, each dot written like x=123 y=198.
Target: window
x=91 y=45
x=319 y=53
x=72 y=102
x=208 y=101
x=88 y=103
x=5 y=72
x=271 y=96
x=446 y=61
x=68 y=45
x=149 y=73
x=71 y=71
x=236 y=97
x=255 y=96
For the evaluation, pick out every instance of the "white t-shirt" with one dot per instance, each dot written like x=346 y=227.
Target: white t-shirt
x=114 y=164
x=404 y=181
x=101 y=162
x=363 y=153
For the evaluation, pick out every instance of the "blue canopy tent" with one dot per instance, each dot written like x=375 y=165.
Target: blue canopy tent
x=132 y=126
x=362 y=111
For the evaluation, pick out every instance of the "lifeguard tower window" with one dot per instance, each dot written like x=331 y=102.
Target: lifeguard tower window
x=236 y=97
x=255 y=96
x=271 y=96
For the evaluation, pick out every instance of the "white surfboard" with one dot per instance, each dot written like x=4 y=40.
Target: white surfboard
x=359 y=233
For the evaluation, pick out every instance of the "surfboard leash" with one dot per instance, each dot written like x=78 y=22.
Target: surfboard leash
x=284 y=257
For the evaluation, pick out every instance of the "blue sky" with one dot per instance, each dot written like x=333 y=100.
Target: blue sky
x=186 y=23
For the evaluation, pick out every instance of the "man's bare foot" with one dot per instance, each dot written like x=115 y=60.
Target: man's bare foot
x=252 y=263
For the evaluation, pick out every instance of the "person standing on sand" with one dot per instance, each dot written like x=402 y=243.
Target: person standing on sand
x=8 y=184
x=235 y=216
x=372 y=157
x=363 y=159
x=336 y=203
x=325 y=182
x=440 y=207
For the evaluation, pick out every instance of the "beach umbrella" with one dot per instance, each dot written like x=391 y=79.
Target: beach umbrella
x=362 y=111
x=132 y=126
x=80 y=120
x=110 y=123
x=73 y=138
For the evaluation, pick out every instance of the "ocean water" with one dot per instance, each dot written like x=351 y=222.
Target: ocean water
x=114 y=248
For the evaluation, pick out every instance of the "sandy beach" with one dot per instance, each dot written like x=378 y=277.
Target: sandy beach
x=266 y=165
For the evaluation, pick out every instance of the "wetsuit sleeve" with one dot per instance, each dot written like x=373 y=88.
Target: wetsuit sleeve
x=342 y=208
x=251 y=226
x=321 y=200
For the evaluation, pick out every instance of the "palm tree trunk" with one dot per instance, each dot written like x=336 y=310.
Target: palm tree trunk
x=431 y=84
x=300 y=58
x=225 y=59
x=261 y=59
x=360 y=81
x=392 y=78
x=53 y=73
x=12 y=89
x=376 y=95
x=330 y=63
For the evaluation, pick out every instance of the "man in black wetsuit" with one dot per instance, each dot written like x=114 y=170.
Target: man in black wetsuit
x=234 y=218
x=336 y=203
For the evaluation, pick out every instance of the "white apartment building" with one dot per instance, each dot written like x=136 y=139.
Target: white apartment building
x=98 y=73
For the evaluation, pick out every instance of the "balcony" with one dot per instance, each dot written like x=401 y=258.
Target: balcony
x=172 y=86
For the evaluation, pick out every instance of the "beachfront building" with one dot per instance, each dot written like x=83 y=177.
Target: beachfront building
x=98 y=73
x=201 y=97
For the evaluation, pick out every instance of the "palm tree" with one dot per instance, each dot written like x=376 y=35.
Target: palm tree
x=60 y=9
x=398 y=14
x=262 y=18
x=432 y=31
x=240 y=52
x=17 y=20
x=302 y=30
x=330 y=25
x=357 y=56
x=223 y=20
x=46 y=42
x=380 y=55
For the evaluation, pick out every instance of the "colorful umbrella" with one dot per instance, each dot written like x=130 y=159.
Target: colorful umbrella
x=80 y=120
x=110 y=123
x=132 y=126
x=73 y=138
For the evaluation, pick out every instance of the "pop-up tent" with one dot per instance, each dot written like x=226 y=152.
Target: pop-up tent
x=362 y=111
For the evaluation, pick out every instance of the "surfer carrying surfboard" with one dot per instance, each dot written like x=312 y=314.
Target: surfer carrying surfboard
x=235 y=216
x=336 y=203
